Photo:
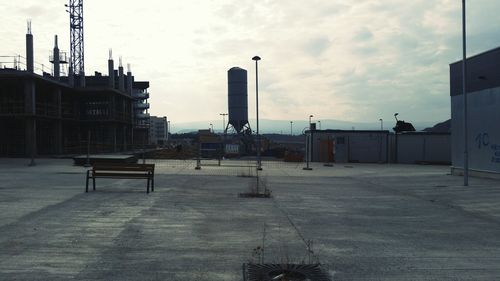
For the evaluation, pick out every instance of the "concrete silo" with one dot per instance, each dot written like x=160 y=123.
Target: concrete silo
x=237 y=97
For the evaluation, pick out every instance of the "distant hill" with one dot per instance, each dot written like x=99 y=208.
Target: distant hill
x=268 y=126
x=285 y=138
x=443 y=127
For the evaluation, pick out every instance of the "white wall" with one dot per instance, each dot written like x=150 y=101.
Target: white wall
x=372 y=147
x=483 y=132
x=367 y=148
x=357 y=146
x=420 y=148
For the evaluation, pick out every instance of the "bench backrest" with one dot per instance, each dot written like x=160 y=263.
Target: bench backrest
x=123 y=167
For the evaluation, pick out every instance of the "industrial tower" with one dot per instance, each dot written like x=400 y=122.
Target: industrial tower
x=75 y=10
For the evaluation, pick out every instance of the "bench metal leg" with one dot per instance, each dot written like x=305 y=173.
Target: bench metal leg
x=152 y=182
x=93 y=182
x=147 y=188
x=87 y=181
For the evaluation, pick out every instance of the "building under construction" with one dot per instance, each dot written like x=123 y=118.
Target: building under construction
x=50 y=113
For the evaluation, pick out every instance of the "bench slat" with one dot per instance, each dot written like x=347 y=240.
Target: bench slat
x=122 y=164
x=124 y=167
x=125 y=170
x=121 y=175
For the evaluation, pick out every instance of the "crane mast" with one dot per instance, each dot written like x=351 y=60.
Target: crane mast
x=75 y=10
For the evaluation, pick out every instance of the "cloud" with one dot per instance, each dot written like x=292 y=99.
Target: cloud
x=363 y=35
x=352 y=60
x=317 y=46
x=36 y=11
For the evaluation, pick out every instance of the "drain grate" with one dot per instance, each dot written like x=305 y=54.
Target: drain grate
x=282 y=272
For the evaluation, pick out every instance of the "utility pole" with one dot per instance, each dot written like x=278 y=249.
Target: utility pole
x=464 y=91
x=223 y=121
x=257 y=59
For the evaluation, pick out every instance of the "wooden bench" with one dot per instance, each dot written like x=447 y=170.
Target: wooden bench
x=122 y=171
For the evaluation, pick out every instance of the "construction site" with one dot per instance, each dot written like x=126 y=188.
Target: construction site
x=94 y=188
x=66 y=111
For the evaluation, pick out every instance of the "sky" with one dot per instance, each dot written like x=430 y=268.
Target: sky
x=335 y=59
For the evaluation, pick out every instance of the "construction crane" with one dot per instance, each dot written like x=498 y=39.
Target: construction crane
x=75 y=10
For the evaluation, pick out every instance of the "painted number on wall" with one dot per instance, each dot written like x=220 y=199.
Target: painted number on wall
x=482 y=140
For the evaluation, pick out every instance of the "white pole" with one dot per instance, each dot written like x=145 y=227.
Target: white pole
x=256 y=58
x=464 y=91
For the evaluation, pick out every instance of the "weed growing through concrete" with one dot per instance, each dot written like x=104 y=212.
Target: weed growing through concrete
x=258 y=188
x=246 y=174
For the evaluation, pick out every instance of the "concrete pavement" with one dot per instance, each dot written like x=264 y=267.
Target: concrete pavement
x=363 y=222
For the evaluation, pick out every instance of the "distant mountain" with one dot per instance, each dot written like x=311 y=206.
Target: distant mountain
x=267 y=126
x=443 y=127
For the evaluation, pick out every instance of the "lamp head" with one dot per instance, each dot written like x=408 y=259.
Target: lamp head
x=256 y=58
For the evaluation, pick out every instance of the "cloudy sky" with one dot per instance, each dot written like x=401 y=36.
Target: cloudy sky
x=337 y=59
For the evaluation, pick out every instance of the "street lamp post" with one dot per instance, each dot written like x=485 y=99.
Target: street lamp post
x=464 y=92
x=291 y=128
x=380 y=140
x=223 y=121
x=396 y=139
x=87 y=163
x=212 y=126
x=319 y=123
x=222 y=149
x=308 y=145
x=168 y=130
x=33 y=143
x=257 y=59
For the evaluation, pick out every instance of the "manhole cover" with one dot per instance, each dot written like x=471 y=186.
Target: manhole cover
x=284 y=272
